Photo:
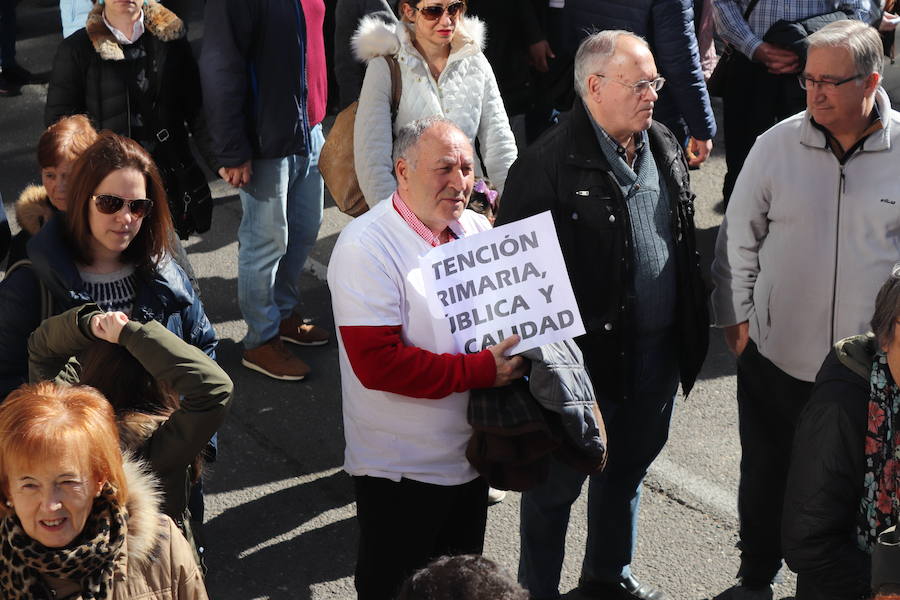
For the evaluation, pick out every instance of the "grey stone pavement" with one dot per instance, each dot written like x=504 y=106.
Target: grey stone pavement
x=280 y=512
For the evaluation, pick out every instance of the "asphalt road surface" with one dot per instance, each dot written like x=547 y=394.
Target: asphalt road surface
x=280 y=512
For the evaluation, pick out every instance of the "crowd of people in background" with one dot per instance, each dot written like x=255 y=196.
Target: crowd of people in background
x=467 y=114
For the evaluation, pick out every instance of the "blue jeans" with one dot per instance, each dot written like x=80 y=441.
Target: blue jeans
x=282 y=214
x=637 y=430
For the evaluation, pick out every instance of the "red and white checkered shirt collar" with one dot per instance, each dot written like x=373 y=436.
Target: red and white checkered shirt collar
x=456 y=228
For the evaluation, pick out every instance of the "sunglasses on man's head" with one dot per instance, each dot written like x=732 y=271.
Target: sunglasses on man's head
x=110 y=205
x=433 y=12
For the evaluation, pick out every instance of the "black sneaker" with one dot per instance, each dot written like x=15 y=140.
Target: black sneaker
x=17 y=75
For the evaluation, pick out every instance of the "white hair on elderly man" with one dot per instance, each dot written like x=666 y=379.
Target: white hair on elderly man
x=594 y=52
x=860 y=39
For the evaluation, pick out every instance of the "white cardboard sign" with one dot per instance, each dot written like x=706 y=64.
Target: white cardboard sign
x=507 y=280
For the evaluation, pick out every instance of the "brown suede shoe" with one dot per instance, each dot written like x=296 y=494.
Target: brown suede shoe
x=276 y=361
x=301 y=332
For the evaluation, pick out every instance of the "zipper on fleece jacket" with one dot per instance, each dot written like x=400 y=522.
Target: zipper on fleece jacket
x=842 y=188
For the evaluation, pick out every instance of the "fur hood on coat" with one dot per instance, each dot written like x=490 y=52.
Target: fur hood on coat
x=33 y=208
x=159 y=21
x=145 y=527
x=375 y=38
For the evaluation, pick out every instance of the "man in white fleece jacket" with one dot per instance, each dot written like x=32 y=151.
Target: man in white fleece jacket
x=812 y=229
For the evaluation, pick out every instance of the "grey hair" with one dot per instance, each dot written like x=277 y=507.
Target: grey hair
x=409 y=136
x=593 y=54
x=887 y=308
x=860 y=39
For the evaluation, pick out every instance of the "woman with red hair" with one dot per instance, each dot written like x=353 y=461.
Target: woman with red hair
x=78 y=521
x=58 y=147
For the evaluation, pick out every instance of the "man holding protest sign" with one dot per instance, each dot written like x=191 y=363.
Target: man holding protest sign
x=405 y=388
x=617 y=185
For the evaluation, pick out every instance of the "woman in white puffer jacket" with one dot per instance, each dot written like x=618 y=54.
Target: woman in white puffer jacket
x=444 y=72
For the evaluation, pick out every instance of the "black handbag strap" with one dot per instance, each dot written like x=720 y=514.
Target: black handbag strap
x=728 y=47
x=750 y=8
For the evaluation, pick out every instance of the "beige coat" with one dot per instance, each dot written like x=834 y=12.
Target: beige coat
x=156 y=561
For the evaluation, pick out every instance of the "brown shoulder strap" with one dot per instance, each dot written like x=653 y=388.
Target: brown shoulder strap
x=396 y=84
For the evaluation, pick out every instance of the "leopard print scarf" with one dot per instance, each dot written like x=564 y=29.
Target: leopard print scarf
x=90 y=559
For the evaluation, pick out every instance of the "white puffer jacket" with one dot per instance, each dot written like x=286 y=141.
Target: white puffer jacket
x=466 y=93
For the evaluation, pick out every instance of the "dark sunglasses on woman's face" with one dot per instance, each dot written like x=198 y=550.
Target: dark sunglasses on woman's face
x=110 y=205
x=433 y=12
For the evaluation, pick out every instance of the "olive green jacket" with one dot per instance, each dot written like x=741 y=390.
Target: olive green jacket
x=167 y=443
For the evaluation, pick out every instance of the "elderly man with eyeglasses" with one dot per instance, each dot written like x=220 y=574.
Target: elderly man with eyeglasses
x=812 y=227
x=618 y=187
x=758 y=87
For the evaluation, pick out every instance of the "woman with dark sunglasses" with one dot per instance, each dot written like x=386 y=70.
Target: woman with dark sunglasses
x=443 y=72
x=112 y=247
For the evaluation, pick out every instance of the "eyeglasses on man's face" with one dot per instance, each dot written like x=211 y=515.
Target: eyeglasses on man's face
x=807 y=82
x=639 y=87
x=433 y=12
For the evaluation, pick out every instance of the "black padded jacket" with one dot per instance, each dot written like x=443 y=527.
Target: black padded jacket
x=566 y=172
x=825 y=481
x=146 y=91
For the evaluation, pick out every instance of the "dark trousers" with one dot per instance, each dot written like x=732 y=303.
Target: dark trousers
x=555 y=92
x=637 y=428
x=7 y=33
x=769 y=405
x=404 y=525
x=754 y=100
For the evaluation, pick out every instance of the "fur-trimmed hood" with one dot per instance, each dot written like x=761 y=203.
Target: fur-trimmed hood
x=375 y=38
x=145 y=525
x=159 y=21
x=33 y=208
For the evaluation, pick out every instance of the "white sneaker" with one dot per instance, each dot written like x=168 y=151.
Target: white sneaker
x=495 y=496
